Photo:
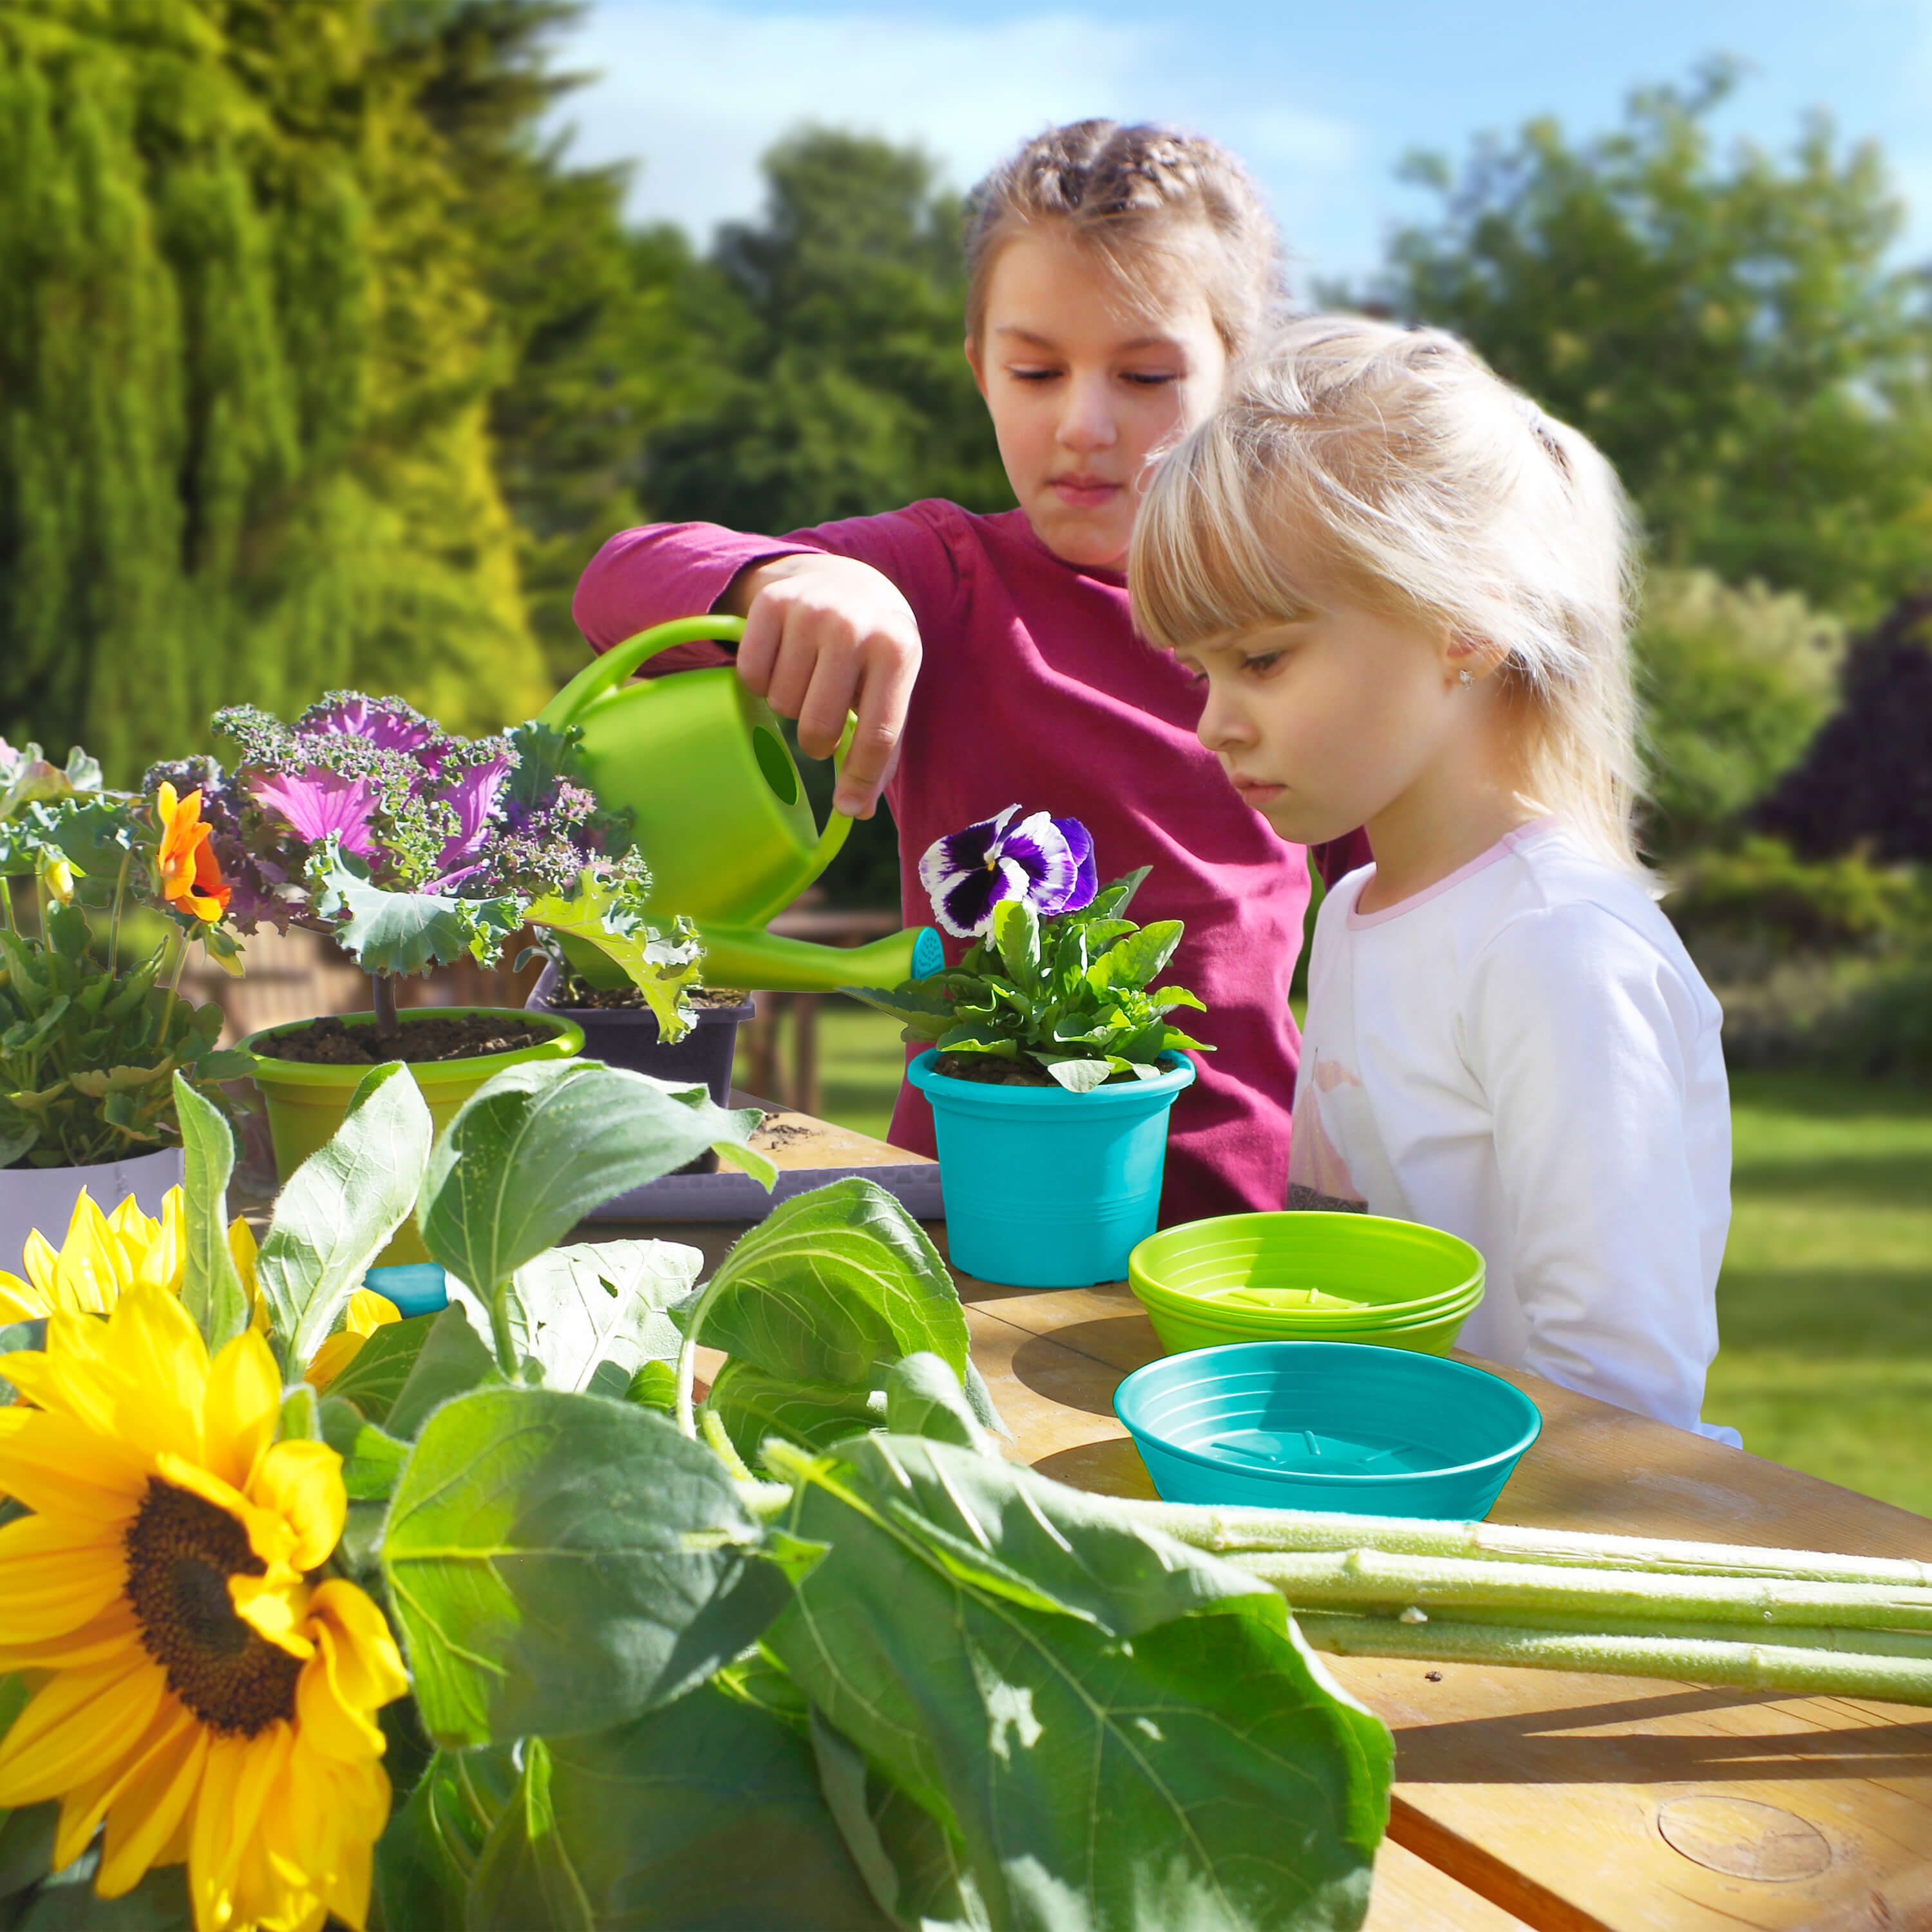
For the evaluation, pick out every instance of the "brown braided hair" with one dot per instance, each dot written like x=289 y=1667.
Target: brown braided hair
x=1131 y=193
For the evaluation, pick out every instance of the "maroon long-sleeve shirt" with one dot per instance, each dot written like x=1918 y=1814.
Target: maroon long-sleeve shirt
x=1034 y=690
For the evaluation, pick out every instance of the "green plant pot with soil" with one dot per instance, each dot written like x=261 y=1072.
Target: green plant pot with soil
x=307 y=1098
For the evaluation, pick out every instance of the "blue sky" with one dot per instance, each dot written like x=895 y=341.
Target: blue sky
x=1322 y=100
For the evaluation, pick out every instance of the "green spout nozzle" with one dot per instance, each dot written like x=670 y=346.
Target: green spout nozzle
x=749 y=956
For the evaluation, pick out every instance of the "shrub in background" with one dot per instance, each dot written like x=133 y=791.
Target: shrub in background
x=1736 y=683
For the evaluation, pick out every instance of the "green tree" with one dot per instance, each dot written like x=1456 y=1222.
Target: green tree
x=1729 y=327
x=1735 y=682
x=847 y=392
x=243 y=452
x=593 y=333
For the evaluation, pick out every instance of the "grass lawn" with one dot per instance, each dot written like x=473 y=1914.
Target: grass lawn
x=1825 y=1303
x=1825 y=1306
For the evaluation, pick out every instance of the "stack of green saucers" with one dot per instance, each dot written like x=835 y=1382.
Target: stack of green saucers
x=1306 y=1277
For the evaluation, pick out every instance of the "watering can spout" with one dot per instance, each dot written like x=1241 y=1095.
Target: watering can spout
x=700 y=762
x=750 y=956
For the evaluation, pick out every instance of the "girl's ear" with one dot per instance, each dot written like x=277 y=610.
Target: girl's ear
x=1467 y=658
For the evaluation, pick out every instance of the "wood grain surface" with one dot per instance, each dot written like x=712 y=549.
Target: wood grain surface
x=1563 y=1802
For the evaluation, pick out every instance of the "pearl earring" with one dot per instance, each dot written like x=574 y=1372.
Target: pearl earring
x=1466 y=679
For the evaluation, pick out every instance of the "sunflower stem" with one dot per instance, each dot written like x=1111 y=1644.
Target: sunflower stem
x=507 y=1359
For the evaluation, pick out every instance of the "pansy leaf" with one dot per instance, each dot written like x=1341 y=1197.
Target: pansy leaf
x=1134 y=959
x=1111 y=901
x=1078 y=1076
x=1016 y=935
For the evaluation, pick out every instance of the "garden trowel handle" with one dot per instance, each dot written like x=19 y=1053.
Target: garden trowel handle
x=605 y=672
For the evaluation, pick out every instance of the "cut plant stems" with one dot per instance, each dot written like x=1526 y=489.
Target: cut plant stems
x=1800 y=1621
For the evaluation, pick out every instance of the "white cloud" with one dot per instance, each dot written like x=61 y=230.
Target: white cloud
x=696 y=90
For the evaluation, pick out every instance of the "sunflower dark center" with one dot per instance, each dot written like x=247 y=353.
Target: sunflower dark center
x=181 y=1551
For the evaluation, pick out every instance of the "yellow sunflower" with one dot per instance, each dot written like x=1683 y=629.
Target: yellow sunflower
x=367 y=1311
x=105 y=1255
x=203 y=1687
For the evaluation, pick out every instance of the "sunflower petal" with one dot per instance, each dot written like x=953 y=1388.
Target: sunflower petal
x=149 y=1810
x=240 y=1773
x=159 y=1355
x=59 y=1468
x=368 y=1665
x=56 y=1576
x=274 y=1607
x=76 y=1727
x=169 y=1731
x=108 y=1635
x=239 y=1410
x=301 y=1483
x=21 y=1300
x=331 y=1722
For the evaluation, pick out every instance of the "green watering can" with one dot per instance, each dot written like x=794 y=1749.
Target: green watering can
x=721 y=817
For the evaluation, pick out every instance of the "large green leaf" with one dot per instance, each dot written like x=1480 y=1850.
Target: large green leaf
x=371 y=1459
x=916 y=1868
x=834 y=1287
x=704 y=1817
x=1120 y=1731
x=338 y=1209
x=752 y=1405
x=451 y=1360
x=663 y=964
x=534 y=1149
x=386 y=932
x=160 y=1902
x=211 y=1290
x=375 y=1375
x=556 y=1561
x=425 y=1856
x=574 y=1309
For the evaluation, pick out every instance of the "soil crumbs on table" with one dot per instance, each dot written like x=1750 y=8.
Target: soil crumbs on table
x=432 y=1036
x=773 y=1131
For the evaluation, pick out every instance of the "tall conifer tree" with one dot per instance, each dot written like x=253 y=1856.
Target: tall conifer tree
x=243 y=380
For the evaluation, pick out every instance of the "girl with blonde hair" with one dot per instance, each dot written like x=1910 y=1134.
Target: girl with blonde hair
x=1117 y=273
x=1406 y=590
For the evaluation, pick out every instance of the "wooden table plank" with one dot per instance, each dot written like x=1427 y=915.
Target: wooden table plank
x=1572 y=1803
x=1411 y=1895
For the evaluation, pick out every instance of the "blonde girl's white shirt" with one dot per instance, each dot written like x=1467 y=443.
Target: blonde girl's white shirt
x=1525 y=1055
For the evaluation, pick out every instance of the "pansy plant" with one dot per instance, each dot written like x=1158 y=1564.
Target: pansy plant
x=411 y=846
x=1058 y=983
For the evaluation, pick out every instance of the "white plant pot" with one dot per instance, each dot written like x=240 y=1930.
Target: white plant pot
x=43 y=1197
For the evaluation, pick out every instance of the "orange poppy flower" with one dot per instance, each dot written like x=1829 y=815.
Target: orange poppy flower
x=191 y=879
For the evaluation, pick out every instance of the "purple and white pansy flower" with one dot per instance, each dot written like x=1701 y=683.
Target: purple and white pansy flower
x=1047 y=860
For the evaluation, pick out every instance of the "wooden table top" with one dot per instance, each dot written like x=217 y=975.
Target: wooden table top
x=1560 y=1801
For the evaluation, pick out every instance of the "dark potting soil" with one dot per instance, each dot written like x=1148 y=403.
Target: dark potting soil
x=990 y=1071
x=627 y=998
x=427 y=1037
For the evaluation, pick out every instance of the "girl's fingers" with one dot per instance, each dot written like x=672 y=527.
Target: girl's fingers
x=885 y=691
x=804 y=642
x=758 y=648
x=829 y=698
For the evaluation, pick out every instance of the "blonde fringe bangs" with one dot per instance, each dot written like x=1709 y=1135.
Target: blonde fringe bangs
x=1392 y=464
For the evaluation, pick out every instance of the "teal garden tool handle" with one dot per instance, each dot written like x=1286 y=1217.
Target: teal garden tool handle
x=602 y=674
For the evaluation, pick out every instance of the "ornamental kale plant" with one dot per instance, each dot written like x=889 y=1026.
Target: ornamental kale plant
x=411 y=847
x=1057 y=986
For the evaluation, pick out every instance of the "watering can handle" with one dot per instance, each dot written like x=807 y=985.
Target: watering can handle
x=617 y=664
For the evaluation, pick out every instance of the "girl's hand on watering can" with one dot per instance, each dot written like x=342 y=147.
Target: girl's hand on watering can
x=825 y=636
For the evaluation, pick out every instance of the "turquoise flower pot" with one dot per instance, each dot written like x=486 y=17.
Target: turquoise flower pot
x=1046 y=1189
